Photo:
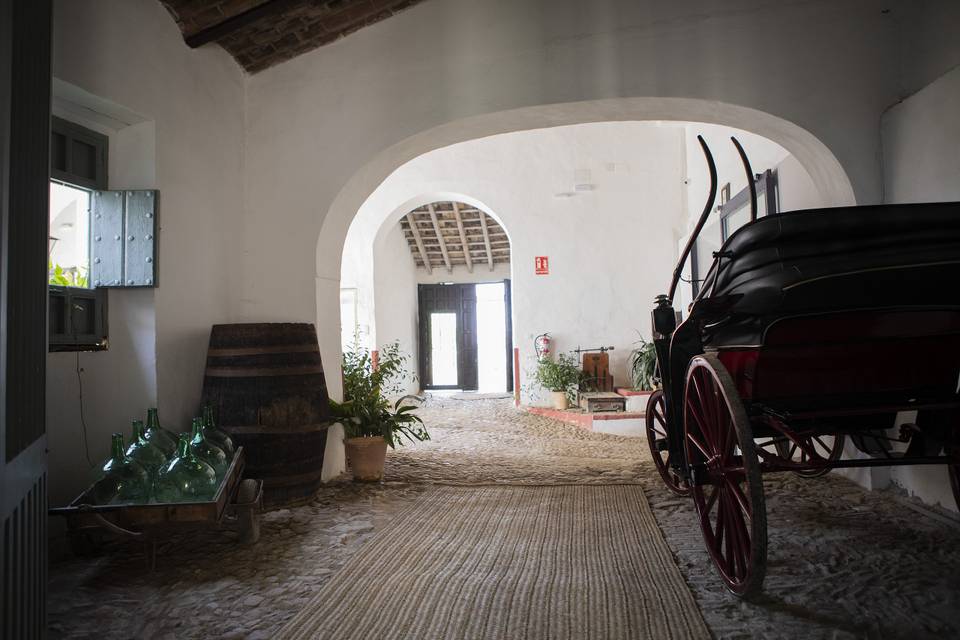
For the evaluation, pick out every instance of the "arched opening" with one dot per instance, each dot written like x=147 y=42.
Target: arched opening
x=826 y=176
x=435 y=280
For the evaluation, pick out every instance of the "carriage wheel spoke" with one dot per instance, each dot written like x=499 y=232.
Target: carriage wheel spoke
x=741 y=543
x=739 y=496
x=712 y=499
x=702 y=413
x=721 y=518
x=657 y=436
x=658 y=415
x=728 y=444
x=826 y=449
x=703 y=449
x=698 y=411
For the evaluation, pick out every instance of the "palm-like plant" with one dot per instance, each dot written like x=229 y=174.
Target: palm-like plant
x=365 y=411
x=643 y=365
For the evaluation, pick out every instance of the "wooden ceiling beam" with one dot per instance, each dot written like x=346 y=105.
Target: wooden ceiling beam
x=235 y=23
x=420 y=248
x=463 y=236
x=443 y=245
x=486 y=240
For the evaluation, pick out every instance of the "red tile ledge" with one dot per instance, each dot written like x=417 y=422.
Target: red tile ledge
x=624 y=391
x=580 y=419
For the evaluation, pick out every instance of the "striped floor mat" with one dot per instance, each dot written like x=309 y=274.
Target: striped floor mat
x=518 y=562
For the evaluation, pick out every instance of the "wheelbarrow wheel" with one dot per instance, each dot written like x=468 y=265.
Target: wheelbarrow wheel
x=726 y=486
x=828 y=447
x=656 y=418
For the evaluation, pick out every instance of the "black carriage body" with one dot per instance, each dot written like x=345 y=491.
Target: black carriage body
x=832 y=321
x=811 y=328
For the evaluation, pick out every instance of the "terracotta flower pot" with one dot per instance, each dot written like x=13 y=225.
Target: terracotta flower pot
x=560 y=400
x=366 y=457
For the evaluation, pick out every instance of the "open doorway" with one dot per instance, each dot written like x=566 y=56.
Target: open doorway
x=465 y=336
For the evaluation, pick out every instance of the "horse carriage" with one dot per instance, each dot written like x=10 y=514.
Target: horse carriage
x=811 y=329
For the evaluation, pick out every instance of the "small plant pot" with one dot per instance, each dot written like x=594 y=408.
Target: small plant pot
x=560 y=400
x=366 y=457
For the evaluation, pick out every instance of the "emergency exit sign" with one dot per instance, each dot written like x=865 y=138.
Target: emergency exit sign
x=541 y=265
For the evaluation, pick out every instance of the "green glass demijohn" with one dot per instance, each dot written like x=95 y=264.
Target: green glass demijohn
x=147 y=454
x=186 y=478
x=216 y=436
x=158 y=436
x=125 y=478
x=206 y=450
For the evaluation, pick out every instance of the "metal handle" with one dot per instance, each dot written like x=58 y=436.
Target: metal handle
x=750 y=181
x=703 y=218
x=115 y=527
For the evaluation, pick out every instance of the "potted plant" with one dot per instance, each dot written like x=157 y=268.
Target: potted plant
x=643 y=366
x=370 y=421
x=558 y=377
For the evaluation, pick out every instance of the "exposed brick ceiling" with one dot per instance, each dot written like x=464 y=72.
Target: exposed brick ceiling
x=448 y=234
x=262 y=33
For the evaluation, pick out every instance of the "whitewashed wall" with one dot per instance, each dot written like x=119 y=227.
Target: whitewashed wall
x=395 y=291
x=921 y=161
x=608 y=248
x=616 y=246
x=261 y=176
x=921 y=144
x=183 y=135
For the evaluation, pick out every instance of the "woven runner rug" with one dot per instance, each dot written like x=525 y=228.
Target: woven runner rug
x=510 y=562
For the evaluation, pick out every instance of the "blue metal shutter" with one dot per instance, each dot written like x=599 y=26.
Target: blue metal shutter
x=123 y=238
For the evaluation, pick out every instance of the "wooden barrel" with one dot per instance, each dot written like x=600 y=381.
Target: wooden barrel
x=265 y=382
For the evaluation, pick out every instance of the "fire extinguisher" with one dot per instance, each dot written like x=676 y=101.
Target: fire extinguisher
x=542 y=346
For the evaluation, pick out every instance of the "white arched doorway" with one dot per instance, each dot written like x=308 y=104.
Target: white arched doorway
x=389 y=271
x=424 y=178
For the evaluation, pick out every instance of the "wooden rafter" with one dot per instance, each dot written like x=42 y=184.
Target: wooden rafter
x=443 y=244
x=474 y=237
x=419 y=241
x=486 y=239
x=235 y=23
x=463 y=237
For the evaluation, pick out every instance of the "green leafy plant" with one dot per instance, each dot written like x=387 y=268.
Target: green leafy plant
x=558 y=375
x=366 y=411
x=643 y=365
x=69 y=277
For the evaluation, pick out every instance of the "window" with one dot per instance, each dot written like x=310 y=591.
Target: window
x=78 y=165
x=736 y=212
x=733 y=214
x=98 y=239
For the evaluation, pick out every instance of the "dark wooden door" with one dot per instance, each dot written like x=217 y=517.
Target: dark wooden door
x=508 y=324
x=467 y=365
x=461 y=300
x=24 y=213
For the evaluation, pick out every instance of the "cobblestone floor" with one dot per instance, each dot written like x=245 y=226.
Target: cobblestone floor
x=844 y=562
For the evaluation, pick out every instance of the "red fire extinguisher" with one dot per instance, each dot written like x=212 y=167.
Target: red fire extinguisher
x=542 y=346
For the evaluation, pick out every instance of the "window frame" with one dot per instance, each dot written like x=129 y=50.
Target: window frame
x=765 y=183
x=69 y=299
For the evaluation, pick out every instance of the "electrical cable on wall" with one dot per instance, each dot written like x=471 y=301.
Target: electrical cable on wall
x=83 y=422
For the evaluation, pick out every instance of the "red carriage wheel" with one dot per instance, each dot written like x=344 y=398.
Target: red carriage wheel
x=656 y=417
x=827 y=447
x=727 y=490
